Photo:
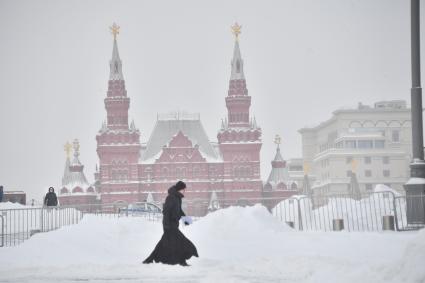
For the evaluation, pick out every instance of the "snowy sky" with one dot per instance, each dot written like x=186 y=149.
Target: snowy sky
x=302 y=60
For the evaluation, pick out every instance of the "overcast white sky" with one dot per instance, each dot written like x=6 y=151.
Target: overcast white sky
x=302 y=60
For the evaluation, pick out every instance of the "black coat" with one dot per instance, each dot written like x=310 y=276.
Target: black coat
x=172 y=209
x=50 y=199
x=174 y=247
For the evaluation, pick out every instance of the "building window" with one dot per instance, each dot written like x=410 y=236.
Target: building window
x=368 y=173
x=350 y=144
x=348 y=160
x=165 y=172
x=195 y=172
x=396 y=136
x=369 y=187
x=386 y=173
x=365 y=144
x=386 y=159
x=380 y=144
x=367 y=160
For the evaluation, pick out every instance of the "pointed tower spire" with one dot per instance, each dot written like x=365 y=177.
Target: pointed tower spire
x=237 y=101
x=115 y=64
x=116 y=103
x=237 y=62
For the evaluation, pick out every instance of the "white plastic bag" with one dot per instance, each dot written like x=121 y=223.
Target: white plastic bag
x=187 y=220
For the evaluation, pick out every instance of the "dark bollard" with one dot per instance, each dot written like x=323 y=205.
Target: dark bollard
x=388 y=223
x=338 y=224
x=290 y=224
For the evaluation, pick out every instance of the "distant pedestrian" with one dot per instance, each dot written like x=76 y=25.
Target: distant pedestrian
x=174 y=247
x=1 y=193
x=50 y=199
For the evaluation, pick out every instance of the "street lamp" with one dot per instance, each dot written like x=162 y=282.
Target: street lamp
x=415 y=187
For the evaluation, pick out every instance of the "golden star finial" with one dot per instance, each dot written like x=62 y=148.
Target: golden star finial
x=67 y=147
x=236 y=30
x=115 y=29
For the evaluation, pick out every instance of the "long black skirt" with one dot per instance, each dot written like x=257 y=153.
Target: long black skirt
x=173 y=248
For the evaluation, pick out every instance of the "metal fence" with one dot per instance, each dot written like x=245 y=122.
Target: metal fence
x=374 y=211
x=17 y=225
x=371 y=212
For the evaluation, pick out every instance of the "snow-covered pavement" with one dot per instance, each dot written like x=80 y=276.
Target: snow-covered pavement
x=235 y=245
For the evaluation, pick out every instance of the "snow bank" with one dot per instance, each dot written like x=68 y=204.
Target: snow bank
x=235 y=245
x=381 y=188
x=12 y=205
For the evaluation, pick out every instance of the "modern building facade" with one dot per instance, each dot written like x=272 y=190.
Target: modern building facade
x=372 y=141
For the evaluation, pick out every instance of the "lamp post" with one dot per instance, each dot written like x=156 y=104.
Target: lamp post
x=415 y=187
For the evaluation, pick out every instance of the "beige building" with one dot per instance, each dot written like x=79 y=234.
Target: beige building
x=373 y=142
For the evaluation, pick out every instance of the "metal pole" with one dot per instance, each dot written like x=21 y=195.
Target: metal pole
x=414 y=190
x=2 y=230
x=416 y=91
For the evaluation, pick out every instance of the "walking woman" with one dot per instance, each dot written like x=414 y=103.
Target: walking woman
x=174 y=247
x=51 y=199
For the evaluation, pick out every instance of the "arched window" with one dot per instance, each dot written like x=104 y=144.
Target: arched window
x=77 y=190
x=281 y=186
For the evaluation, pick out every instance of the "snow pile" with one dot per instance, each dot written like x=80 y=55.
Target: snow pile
x=380 y=188
x=12 y=205
x=235 y=245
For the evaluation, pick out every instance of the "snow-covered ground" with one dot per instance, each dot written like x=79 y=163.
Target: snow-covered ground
x=235 y=245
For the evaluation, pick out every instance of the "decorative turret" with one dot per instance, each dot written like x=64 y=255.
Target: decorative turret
x=279 y=176
x=74 y=180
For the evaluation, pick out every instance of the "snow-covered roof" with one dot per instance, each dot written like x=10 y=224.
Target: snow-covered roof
x=73 y=176
x=166 y=129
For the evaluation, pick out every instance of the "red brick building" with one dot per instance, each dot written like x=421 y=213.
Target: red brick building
x=177 y=149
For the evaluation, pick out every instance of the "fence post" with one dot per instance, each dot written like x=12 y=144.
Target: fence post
x=397 y=227
x=300 y=220
x=42 y=219
x=2 y=230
